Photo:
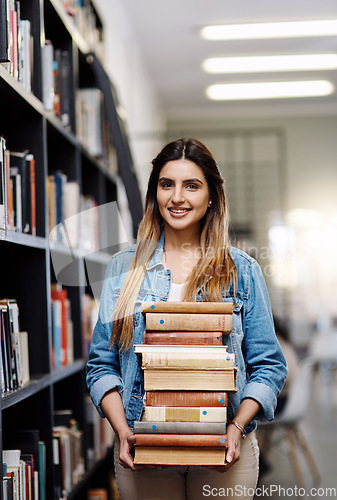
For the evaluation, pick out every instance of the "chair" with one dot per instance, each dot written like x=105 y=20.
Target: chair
x=290 y=419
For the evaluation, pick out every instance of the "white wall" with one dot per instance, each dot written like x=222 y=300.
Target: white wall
x=138 y=97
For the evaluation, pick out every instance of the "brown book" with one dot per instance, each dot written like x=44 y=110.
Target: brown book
x=186 y=398
x=188 y=322
x=187 y=307
x=180 y=455
x=208 y=440
x=183 y=338
x=185 y=414
x=217 y=379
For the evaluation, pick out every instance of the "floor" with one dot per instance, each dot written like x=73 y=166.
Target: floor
x=320 y=429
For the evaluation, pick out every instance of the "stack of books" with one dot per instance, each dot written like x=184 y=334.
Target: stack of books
x=187 y=376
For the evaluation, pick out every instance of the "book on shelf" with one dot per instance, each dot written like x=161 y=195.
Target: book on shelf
x=186 y=338
x=89 y=119
x=185 y=414
x=18 y=192
x=3 y=185
x=63 y=341
x=68 y=457
x=12 y=459
x=14 y=347
x=187 y=307
x=180 y=455
x=63 y=209
x=155 y=427
x=48 y=89
x=188 y=322
x=4 y=33
x=15 y=43
x=56 y=81
x=186 y=398
x=217 y=379
x=89 y=309
x=33 y=454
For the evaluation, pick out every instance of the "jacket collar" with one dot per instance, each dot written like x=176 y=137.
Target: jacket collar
x=157 y=258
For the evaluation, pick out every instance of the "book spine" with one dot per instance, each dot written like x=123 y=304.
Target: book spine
x=188 y=322
x=180 y=455
x=3 y=33
x=33 y=194
x=143 y=427
x=187 y=307
x=184 y=414
x=186 y=398
x=179 y=380
x=200 y=440
x=183 y=338
x=198 y=361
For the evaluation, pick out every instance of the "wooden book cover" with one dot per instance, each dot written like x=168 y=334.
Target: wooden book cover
x=180 y=455
x=188 y=322
x=186 y=398
x=185 y=414
x=161 y=379
x=142 y=427
x=187 y=307
x=183 y=338
x=196 y=440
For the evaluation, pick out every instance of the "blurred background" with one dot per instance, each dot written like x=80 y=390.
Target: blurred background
x=263 y=98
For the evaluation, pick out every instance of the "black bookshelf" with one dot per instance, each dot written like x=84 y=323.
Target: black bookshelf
x=28 y=269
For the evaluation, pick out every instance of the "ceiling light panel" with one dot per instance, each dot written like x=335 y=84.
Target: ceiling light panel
x=270 y=30
x=255 y=64
x=269 y=90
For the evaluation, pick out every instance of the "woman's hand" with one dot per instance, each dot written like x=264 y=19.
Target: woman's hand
x=126 y=443
x=233 y=450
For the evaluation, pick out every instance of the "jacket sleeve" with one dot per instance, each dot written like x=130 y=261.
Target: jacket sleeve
x=265 y=363
x=103 y=368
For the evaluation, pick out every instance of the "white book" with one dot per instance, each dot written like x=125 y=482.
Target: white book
x=48 y=88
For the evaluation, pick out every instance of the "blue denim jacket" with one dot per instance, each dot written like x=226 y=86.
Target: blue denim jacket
x=258 y=356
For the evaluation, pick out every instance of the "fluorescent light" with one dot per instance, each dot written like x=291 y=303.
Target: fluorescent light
x=270 y=30
x=256 y=64
x=268 y=90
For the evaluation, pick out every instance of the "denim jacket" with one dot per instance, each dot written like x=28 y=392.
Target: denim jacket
x=258 y=355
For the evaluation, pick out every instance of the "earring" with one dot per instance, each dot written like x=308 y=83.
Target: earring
x=210 y=203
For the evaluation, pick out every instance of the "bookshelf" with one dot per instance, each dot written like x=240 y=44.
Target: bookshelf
x=32 y=263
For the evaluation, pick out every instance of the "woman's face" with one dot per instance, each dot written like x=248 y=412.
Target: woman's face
x=182 y=194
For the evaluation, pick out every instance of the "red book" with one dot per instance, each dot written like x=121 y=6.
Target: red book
x=182 y=338
x=204 y=440
x=186 y=398
x=62 y=295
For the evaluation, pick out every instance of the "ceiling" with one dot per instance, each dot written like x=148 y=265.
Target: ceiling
x=172 y=50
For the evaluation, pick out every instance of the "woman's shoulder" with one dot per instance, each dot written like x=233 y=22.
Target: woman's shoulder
x=240 y=257
x=121 y=260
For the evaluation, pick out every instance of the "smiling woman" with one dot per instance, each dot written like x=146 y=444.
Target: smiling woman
x=183 y=239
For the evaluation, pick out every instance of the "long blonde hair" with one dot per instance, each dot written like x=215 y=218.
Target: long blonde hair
x=215 y=268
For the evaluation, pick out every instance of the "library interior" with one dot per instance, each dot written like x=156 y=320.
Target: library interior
x=91 y=91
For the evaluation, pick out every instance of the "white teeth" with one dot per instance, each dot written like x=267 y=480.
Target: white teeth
x=175 y=211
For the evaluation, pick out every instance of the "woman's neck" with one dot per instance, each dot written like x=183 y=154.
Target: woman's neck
x=177 y=240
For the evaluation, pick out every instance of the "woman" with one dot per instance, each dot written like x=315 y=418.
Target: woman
x=182 y=253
